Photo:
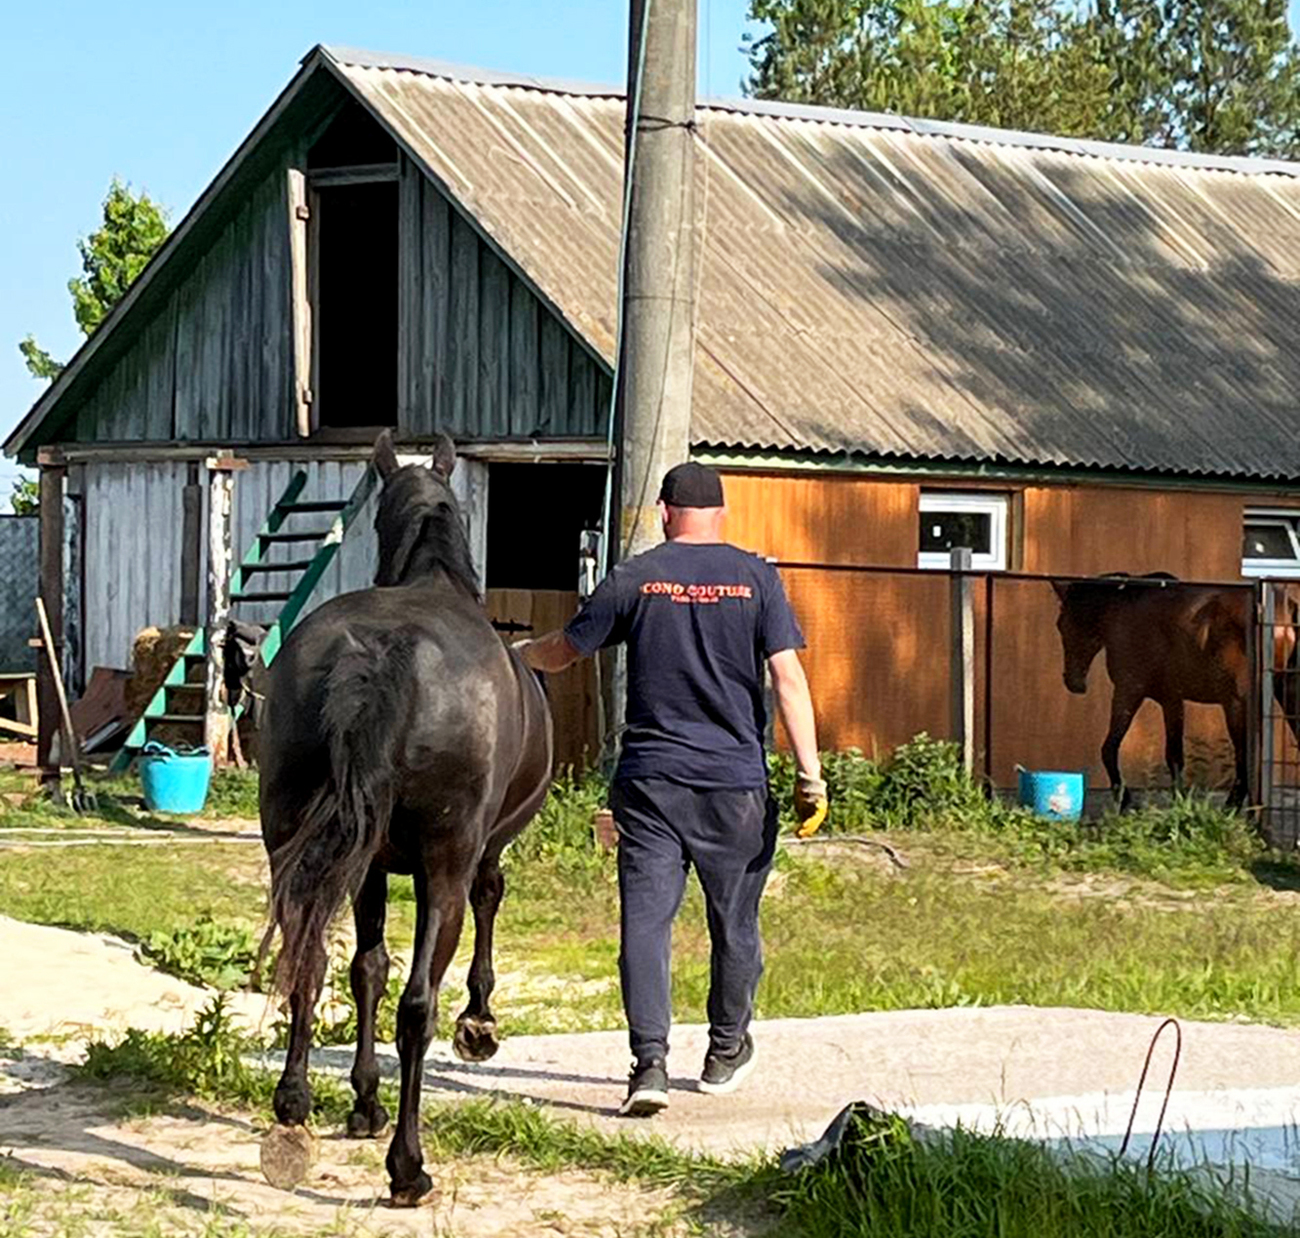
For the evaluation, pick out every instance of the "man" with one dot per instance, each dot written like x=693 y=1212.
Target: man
x=699 y=618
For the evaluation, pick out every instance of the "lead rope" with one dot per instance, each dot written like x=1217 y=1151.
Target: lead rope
x=1169 y=1087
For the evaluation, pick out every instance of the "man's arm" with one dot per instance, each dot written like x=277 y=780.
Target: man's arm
x=794 y=704
x=549 y=653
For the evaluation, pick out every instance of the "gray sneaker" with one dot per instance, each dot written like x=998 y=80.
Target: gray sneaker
x=647 y=1090
x=725 y=1072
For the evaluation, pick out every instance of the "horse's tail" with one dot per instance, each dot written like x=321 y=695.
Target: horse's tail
x=343 y=824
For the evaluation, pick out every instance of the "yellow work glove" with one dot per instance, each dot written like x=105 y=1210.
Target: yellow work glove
x=810 y=804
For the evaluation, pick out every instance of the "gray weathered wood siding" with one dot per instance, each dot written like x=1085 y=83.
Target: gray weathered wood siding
x=216 y=362
x=480 y=356
x=134 y=544
x=134 y=548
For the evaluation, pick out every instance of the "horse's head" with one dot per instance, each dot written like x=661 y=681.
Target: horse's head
x=1081 y=635
x=418 y=520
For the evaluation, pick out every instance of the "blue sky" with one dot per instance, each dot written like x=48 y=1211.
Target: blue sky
x=160 y=94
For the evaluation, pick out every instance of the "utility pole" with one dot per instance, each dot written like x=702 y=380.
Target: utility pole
x=657 y=348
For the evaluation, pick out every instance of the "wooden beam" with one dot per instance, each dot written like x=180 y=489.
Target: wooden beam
x=300 y=308
x=53 y=474
x=191 y=545
x=595 y=450
x=357 y=174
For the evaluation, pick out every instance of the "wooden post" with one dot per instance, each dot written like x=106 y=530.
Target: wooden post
x=657 y=344
x=216 y=713
x=53 y=475
x=962 y=673
x=191 y=545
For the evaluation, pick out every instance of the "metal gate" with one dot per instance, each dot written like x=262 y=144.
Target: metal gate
x=1278 y=710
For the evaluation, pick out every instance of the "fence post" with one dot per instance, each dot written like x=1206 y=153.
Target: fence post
x=53 y=474
x=1267 y=647
x=962 y=673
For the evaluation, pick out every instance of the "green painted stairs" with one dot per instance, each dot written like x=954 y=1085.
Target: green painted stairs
x=179 y=701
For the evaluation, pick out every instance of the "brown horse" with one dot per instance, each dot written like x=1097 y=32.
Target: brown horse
x=1169 y=643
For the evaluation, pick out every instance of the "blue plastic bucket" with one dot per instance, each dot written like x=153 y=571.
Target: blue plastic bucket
x=1052 y=793
x=175 y=781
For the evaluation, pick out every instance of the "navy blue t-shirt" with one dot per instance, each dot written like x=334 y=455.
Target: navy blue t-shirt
x=699 y=621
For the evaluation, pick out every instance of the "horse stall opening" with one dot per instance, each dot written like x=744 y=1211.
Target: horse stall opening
x=537 y=514
x=882 y=656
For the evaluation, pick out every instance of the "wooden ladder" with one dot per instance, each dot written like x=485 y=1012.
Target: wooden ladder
x=179 y=700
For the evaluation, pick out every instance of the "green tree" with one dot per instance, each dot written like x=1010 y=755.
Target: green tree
x=1219 y=76
x=1209 y=75
x=25 y=497
x=132 y=228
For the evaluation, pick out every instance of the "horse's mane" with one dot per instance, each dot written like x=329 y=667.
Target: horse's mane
x=421 y=531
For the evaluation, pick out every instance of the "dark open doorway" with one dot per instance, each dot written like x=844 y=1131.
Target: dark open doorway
x=536 y=515
x=356 y=304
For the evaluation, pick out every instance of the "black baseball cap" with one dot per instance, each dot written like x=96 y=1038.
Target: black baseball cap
x=691 y=485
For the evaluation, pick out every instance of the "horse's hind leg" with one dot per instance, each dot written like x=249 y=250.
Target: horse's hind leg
x=441 y=908
x=369 y=978
x=288 y=1149
x=292 y=1100
x=1174 y=758
x=476 y=1028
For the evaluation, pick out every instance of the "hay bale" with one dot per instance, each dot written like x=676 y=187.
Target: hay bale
x=153 y=653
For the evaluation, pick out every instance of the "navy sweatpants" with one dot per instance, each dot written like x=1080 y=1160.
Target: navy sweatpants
x=730 y=838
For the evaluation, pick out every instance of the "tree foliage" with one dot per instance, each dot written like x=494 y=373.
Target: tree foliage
x=132 y=228
x=1206 y=75
x=25 y=497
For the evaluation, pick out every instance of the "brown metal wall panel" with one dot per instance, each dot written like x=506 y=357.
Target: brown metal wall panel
x=823 y=519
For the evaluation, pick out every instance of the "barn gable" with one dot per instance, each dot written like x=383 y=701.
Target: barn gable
x=208 y=347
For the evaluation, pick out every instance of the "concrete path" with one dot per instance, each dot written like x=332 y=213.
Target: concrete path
x=1077 y=1069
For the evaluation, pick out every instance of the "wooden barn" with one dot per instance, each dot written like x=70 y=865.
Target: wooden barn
x=1074 y=358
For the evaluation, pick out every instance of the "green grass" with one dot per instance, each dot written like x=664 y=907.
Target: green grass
x=233 y=795
x=881 y=1182
x=1159 y=911
x=978 y=1186
x=133 y=891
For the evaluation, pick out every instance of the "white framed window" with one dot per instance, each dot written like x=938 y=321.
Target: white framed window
x=1270 y=544
x=950 y=521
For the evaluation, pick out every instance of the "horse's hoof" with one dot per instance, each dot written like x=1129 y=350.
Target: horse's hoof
x=475 y=1039
x=368 y=1124
x=419 y=1194
x=288 y=1153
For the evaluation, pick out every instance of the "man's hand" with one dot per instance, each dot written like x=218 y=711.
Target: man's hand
x=810 y=804
x=549 y=654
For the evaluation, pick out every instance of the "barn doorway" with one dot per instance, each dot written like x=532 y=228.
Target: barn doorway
x=356 y=304
x=352 y=170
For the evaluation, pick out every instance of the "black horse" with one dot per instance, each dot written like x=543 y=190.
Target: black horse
x=399 y=736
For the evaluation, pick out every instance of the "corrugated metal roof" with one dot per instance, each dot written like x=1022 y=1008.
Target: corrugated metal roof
x=909 y=289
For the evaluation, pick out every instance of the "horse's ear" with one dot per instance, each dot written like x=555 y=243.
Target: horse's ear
x=444 y=457
x=385 y=455
x=1061 y=589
